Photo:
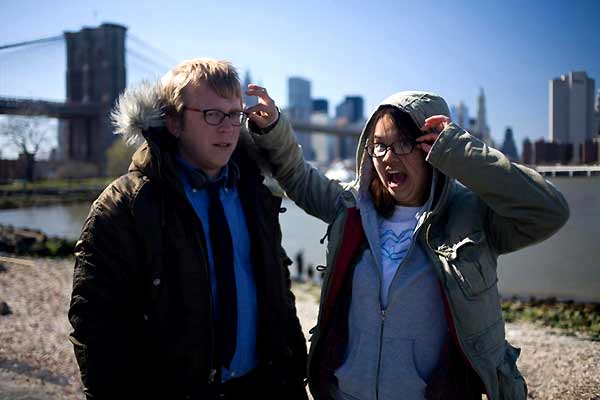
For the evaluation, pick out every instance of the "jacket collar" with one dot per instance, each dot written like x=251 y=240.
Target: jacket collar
x=229 y=174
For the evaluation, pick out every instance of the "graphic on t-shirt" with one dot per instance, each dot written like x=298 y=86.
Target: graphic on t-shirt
x=393 y=246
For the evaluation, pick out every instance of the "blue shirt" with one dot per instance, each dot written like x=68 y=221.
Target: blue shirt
x=245 y=358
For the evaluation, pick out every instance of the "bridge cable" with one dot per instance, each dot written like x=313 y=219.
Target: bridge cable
x=141 y=57
x=153 y=49
x=136 y=67
x=31 y=42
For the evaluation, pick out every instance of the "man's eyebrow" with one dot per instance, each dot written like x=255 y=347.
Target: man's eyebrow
x=223 y=110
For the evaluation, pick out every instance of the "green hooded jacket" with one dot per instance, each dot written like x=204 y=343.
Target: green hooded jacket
x=498 y=207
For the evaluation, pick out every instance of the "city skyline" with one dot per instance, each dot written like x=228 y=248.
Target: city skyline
x=511 y=50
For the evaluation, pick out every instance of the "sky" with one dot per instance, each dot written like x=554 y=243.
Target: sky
x=510 y=49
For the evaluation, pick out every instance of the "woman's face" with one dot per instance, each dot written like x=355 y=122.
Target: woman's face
x=406 y=177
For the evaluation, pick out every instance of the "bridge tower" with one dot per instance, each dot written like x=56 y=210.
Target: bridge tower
x=96 y=76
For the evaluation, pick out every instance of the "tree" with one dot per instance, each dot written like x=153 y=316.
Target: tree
x=27 y=135
x=118 y=157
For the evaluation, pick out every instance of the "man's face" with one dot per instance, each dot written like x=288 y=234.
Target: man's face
x=207 y=147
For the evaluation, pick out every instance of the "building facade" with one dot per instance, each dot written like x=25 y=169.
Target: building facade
x=481 y=128
x=460 y=115
x=349 y=112
x=571 y=109
x=249 y=101
x=300 y=109
x=509 y=147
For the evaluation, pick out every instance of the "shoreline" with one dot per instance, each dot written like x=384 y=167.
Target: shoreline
x=17 y=200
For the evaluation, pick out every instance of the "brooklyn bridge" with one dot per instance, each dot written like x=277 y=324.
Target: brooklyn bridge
x=96 y=74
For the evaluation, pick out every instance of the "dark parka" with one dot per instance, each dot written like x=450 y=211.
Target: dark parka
x=141 y=306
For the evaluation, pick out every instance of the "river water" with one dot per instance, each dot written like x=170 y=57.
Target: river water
x=566 y=266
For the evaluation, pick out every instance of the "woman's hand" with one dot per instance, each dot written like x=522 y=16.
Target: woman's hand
x=265 y=113
x=433 y=127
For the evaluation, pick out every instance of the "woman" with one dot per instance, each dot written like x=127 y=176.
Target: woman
x=410 y=307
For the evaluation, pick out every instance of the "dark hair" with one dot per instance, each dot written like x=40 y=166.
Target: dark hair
x=383 y=201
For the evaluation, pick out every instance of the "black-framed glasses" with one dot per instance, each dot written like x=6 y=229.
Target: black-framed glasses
x=215 y=117
x=379 y=150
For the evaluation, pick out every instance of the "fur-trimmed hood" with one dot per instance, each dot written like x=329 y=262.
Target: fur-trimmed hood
x=139 y=113
x=137 y=110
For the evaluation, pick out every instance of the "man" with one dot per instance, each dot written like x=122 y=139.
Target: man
x=181 y=287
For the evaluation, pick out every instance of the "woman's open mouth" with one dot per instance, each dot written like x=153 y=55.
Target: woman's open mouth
x=396 y=178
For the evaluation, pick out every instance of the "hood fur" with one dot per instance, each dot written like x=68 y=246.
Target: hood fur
x=140 y=108
x=137 y=110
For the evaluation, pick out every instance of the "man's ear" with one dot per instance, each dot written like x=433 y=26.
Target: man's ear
x=173 y=125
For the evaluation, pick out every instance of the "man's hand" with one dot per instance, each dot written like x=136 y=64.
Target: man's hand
x=265 y=113
x=433 y=126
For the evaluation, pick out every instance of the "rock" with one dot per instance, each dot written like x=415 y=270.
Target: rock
x=33 y=242
x=2 y=268
x=4 y=308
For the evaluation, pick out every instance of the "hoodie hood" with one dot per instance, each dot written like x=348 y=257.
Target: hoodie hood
x=419 y=105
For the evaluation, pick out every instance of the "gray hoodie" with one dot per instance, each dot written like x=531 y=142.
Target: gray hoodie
x=395 y=338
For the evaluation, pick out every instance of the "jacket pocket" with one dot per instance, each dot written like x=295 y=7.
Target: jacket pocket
x=488 y=341
x=473 y=276
x=511 y=384
x=356 y=374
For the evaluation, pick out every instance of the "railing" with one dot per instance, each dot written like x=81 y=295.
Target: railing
x=307 y=127
x=26 y=107
x=568 y=170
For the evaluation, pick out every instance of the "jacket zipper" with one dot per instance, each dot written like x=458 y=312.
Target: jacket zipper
x=200 y=233
x=204 y=255
x=213 y=370
x=383 y=311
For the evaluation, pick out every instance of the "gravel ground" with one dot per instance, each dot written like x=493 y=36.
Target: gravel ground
x=36 y=359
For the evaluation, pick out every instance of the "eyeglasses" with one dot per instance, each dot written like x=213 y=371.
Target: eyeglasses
x=215 y=117
x=379 y=150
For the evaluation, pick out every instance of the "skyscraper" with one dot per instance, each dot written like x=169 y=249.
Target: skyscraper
x=597 y=115
x=481 y=129
x=508 y=147
x=571 y=105
x=323 y=144
x=249 y=101
x=527 y=157
x=349 y=112
x=300 y=109
x=299 y=100
x=320 y=106
x=460 y=115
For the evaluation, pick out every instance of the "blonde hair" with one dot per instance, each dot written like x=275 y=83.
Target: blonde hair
x=220 y=76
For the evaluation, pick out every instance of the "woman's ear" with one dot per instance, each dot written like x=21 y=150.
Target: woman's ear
x=173 y=125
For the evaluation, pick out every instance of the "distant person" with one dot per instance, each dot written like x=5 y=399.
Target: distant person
x=311 y=273
x=300 y=266
x=181 y=287
x=410 y=305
